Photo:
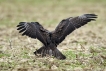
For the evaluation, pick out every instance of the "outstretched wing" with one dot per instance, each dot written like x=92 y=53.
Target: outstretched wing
x=34 y=30
x=68 y=25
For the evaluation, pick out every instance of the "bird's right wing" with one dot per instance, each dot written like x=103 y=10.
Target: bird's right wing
x=68 y=25
x=34 y=30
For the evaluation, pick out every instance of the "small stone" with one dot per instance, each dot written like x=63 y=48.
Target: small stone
x=78 y=69
x=54 y=67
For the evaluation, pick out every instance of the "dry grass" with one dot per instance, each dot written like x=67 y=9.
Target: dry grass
x=85 y=48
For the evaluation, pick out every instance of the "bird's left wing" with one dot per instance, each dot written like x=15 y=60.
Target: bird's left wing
x=68 y=25
x=34 y=30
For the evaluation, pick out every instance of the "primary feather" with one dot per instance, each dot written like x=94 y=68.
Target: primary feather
x=68 y=25
x=34 y=30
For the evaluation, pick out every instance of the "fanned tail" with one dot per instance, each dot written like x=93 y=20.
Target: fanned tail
x=43 y=51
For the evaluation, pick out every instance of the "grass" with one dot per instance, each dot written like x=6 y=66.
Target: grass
x=85 y=48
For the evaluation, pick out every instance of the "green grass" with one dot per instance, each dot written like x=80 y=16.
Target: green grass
x=75 y=59
x=85 y=48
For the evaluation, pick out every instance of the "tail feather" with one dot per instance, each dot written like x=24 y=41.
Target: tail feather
x=43 y=51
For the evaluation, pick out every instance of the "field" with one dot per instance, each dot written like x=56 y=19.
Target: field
x=85 y=48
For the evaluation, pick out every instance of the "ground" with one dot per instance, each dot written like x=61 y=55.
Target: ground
x=85 y=48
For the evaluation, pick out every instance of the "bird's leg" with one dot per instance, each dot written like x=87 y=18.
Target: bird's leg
x=43 y=51
x=39 y=51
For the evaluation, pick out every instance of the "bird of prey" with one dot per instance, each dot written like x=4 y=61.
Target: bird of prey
x=52 y=39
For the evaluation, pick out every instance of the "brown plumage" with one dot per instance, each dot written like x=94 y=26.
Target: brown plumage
x=54 y=38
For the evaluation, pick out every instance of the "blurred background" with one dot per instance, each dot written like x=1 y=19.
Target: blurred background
x=48 y=12
x=16 y=52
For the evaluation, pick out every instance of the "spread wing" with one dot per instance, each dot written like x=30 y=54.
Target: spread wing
x=68 y=25
x=34 y=30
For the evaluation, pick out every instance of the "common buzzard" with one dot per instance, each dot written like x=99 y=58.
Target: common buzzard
x=52 y=39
